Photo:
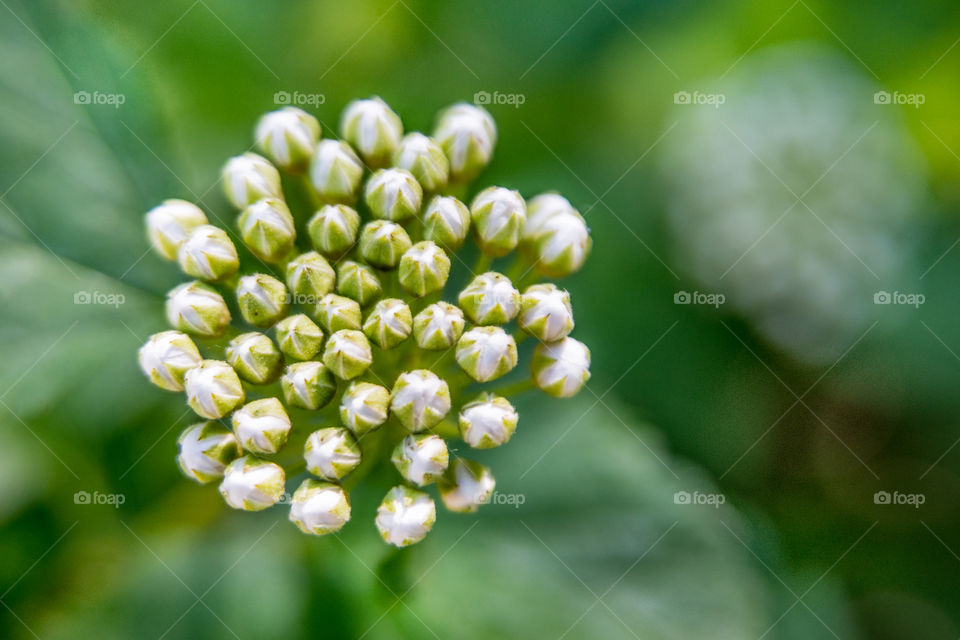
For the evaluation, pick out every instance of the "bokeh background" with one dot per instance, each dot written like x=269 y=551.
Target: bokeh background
x=782 y=181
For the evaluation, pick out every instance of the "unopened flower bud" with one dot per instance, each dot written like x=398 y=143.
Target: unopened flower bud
x=487 y=422
x=331 y=453
x=249 y=178
x=336 y=313
x=333 y=229
x=364 y=407
x=308 y=385
x=424 y=268
x=421 y=459
x=382 y=243
x=319 y=507
x=439 y=326
x=263 y=300
x=358 y=281
x=373 y=129
x=205 y=450
x=424 y=158
x=197 y=309
x=169 y=224
x=299 y=337
x=490 y=298
x=389 y=323
x=347 y=354
x=167 y=356
x=252 y=484
x=486 y=353
x=466 y=486
x=561 y=245
x=288 y=136
x=208 y=254
x=310 y=277
x=540 y=209
x=419 y=399
x=545 y=312
x=561 y=368
x=405 y=516
x=262 y=426
x=213 y=389
x=255 y=358
x=267 y=228
x=393 y=194
x=336 y=171
x=498 y=216
x=446 y=222
x=467 y=136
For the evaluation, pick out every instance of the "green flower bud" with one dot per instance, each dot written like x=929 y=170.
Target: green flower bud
x=562 y=245
x=169 y=224
x=336 y=313
x=331 y=453
x=545 y=312
x=310 y=277
x=204 y=451
x=389 y=323
x=299 y=337
x=540 y=209
x=487 y=422
x=252 y=484
x=486 y=353
x=249 y=178
x=364 y=407
x=358 y=281
x=308 y=385
x=498 y=216
x=336 y=171
x=490 y=299
x=262 y=426
x=393 y=194
x=382 y=243
x=446 y=222
x=405 y=516
x=197 y=309
x=561 y=368
x=333 y=229
x=255 y=358
x=167 y=356
x=373 y=129
x=208 y=254
x=421 y=459
x=267 y=228
x=263 y=300
x=439 y=326
x=466 y=486
x=424 y=268
x=423 y=158
x=419 y=399
x=347 y=354
x=467 y=136
x=319 y=508
x=288 y=136
x=213 y=389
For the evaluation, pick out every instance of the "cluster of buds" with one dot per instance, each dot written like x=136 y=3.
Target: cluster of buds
x=356 y=372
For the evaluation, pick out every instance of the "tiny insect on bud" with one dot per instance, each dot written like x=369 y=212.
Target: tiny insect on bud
x=490 y=298
x=419 y=399
x=498 y=216
x=373 y=129
x=263 y=300
x=308 y=385
x=364 y=407
x=299 y=337
x=389 y=323
x=208 y=254
x=197 y=309
x=393 y=194
x=204 y=451
x=487 y=422
x=331 y=453
x=424 y=269
x=268 y=230
x=255 y=358
x=333 y=229
x=439 y=326
x=336 y=313
x=486 y=353
x=423 y=158
x=347 y=354
x=213 y=389
x=288 y=136
x=546 y=313
x=169 y=224
x=382 y=243
x=561 y=368
x=249 y=178
x=262 y=426
x=421 y=459
x=319 y=508
x=358 y=281
x=336 y=172
x=166 y=357
x=466 y=486
x=446 y=222
x=467 y=135
x=310 y=277
x=405 y=516
x=252 y=484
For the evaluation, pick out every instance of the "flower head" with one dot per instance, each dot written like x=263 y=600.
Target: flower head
x=489 y=421
x=288 y=136
x=263 y=300
x=389 y=323
x=336 y=172
x=252 y=484
x=213 y=389
x=358 y=281
x=546 y=313
x=393 y=194
x=490 y=299
x=347 y=354
x=364 y=407
x=446 y=222
x=333 y=229
x=498 y=216
x=319 y=507
x=262 y=426
x=382 y=243
x=337 y=312
x=308 y=385
x=561 y=368
x=331 y=453
x=439 y=326
x=467 y=135
x=421 y=458
x=405 y=516
x=423 y=158
x=486 y=353
x=310 y=277
x=255 y=358
x=208 y=254
x=205 y=449
x=249 y=178
x=267 y=228
x=166 y=357
x=169 y=224
x=373 y=129
x=419 y=399
x=299 y=337
x=424 y=269
x=197 y=309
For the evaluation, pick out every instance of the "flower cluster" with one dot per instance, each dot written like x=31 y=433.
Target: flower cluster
x=363 y=344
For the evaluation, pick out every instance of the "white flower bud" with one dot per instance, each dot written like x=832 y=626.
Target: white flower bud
x=262 y=426
x=446 y=222
x=255 y=358
x=389 y=323
x=562 y=245
x=336 y=171
x=486 y=353
x=405 y=516
x=267 y=228
x=498 y=216
x=421 y=459
x=331 y=453
x=364 y=407
x=299 y=337
x=561 y=368
x=373 y=129
x=249 y=178
x=333 y=229
x=358 y=281
x=319 y=507
x=308 y=385
x=252 y=484
x=310 y=277
x=419 y=399
x=197 y=309
x=545 y=312
x=208 y=254
x=166 y=357
x=213 y=389
x=288 y=136
x=424 y=158
x=263 y=300
x=467 y=136
x=466 y=486
x=336 y=313
x=347 y=354
x=204 y=451
x=382 y=243
x=393 y=194
x=169 y=224
x=424 y=268
x=540 y=209
x=490 y=298
x=439 y=326
x=487 y=422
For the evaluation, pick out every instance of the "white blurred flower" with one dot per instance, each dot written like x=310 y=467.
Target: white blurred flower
x=466 y=486
x=561 y=368
x=166 y=357
x=248 y=178
x=288 y=136
x=252 y=484
x=319 y=507
x=169 y=224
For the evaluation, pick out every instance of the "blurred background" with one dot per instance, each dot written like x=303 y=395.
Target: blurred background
x=768 y=445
